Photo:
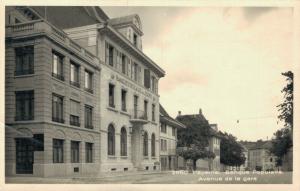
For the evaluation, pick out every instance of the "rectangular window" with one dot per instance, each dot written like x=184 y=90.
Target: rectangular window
x=24 y=105
x=124 y=64
x=153 y=112
x=88 y=152
x=38 y=142
x=147 y=78
x=135 y=74
x=135 y=39
x=123 y=100
x=74 y=113
x=146 y=109
x=153 y=83
x=74 y=75
x=57 y=66
x=135 y=106
x=24 y=60
x=75 y=151
x=58 y=151
x=57 y=108
x=111 y=55
x=163 y=128
x=88 y=81
x=111 y=95
x=173 y=131
x=88 y=115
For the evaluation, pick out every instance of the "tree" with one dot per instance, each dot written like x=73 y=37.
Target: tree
x=286 y=108
x=194 y=153
x=284 y=137
x=231 y=152
x=194 y=138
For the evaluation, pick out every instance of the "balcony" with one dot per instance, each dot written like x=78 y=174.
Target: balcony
x=41 y=27
x=138 y=117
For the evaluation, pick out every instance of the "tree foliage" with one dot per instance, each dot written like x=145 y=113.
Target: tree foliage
x=231 y=152
x=286 y=108
x=284 y=137
x=195 y=138
x=194 y=153
x=197 y=132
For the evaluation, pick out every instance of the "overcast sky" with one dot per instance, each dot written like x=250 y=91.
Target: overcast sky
x=226 y=61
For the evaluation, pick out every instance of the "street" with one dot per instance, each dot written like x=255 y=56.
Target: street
x=163 y=178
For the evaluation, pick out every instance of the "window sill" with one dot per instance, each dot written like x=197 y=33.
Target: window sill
x=124 y=157
x=112 y=157
x=24 y=76
x=125 y=113
x=112 y=109
x=153 y=122
x=146 y=158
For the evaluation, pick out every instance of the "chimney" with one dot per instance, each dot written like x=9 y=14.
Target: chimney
x=179 y=113
x=200 y=111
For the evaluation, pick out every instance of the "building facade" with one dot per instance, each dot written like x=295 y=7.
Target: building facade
x=81 y=96
x=260 y=157
x=168 y=140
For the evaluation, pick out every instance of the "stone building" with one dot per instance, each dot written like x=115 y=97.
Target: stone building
x=81 y=96
x=168 y=140
x=213 y=141
x=260 y=157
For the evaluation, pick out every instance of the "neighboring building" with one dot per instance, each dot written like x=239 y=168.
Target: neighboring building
x=168 y=140
x=81 y=96
x=214 y=142
x=260 y=157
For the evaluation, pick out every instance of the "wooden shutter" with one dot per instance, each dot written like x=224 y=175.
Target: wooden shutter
x=106 y=52
x=147 y=78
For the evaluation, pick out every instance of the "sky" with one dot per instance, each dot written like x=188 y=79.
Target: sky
x=225 y=60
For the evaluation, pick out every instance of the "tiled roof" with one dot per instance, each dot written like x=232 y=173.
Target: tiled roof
x=69 y=16
x=257 y=145
x=166 y=116
x=122 y=20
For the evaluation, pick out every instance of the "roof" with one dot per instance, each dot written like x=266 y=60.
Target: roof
x=257 y=145
x=165 y=117
x=73 y=16
x=127 y=20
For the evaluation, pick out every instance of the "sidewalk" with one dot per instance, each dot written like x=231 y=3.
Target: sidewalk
x=21 y=179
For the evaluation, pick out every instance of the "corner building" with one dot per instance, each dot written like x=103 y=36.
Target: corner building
x=96 y=102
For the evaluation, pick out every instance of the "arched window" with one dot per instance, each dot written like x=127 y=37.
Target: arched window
x=153 y=145
x=111 y=140
x=145 y=148
x=123 y=142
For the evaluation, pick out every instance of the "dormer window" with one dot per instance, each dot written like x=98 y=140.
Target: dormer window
x=135 y=39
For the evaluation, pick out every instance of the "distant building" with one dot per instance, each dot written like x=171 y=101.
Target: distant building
x=260 y=157
x=213 y=146
x=168 y=140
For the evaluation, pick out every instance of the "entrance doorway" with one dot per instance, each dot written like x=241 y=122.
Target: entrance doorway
x=24 y=156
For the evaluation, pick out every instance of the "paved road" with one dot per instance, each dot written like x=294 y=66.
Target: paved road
x=166 y=178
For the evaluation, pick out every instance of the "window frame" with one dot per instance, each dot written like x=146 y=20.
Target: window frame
x=22 y=98
x=57 y=144
x=56 y=118
x=111 y=141
x=59 y=74
x=24 y=55
x=76 y=75
x=88 y=117
x=75 y=151
x=111 y=95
